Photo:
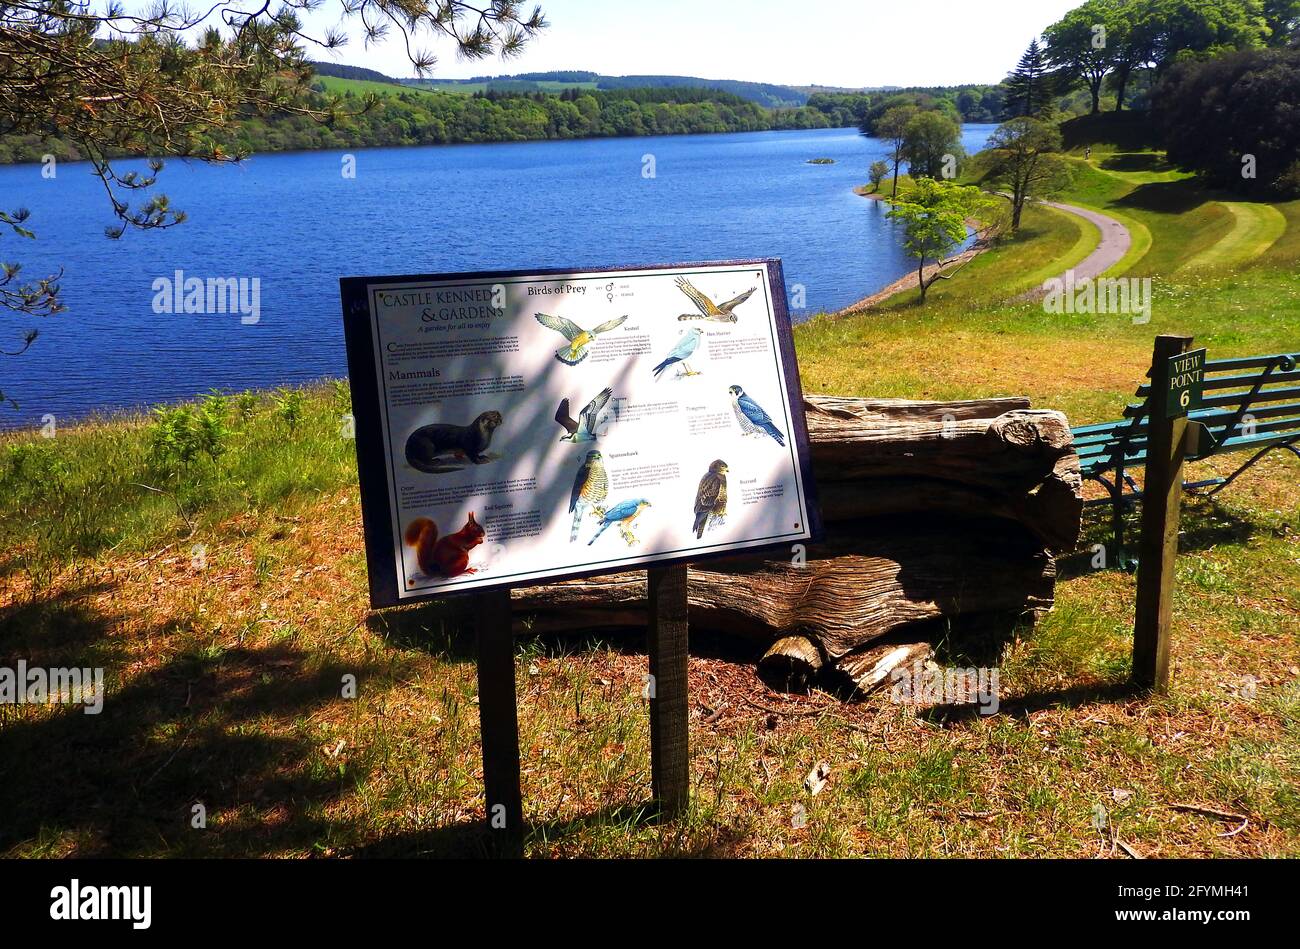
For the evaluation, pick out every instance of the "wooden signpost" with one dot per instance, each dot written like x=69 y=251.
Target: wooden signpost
x=1177 y=382
x=515 y=428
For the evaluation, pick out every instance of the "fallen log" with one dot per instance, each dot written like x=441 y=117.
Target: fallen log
x=867 y=580
x=875 y=457
x=932 y=510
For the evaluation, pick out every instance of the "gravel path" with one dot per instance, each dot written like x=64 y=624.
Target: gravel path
x=1115 y=242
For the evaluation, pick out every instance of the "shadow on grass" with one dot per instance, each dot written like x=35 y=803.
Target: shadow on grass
x=1205 y=524
x=443 y=629
x=1071 y=697
x=1136 y=161
x=472 y=839
x=1165 y=197
x=221 y=728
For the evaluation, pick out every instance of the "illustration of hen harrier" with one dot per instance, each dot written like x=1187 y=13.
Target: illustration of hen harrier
x=718 y=312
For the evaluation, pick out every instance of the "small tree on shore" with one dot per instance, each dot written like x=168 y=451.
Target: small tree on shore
x=877 y=174
x=932 y=145
x=1021 y=160
x=892 y=127
x=933 y=214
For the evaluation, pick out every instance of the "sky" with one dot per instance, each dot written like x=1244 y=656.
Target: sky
x=822 y=42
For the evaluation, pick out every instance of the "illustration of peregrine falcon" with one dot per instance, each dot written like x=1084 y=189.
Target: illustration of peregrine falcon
x=751 y=416
x=711 y=498
x=718 y=312
x=590 y=488
x=683 y=351
x=623 y=514
x=584 y=429
x=579 y=338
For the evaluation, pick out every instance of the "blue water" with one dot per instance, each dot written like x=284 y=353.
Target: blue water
x=296 y=223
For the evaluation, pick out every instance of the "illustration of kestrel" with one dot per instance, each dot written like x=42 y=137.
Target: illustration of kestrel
x=590 y=488
x=718 y=312
x=751 y=416
x=683 y=351
x=584 y=429
x=622 y=514
x=711 y=498
x=579 y=338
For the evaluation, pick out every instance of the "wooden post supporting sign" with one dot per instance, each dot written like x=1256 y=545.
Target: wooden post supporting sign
x=1175 y=388
x=499 y=720
x=669 y=715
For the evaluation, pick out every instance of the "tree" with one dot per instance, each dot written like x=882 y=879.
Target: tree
x=1132 y=35
x=167 y=82
x=877 y=174
x=892 y=127
x=1251 y=102
x=932 y=145
x=1021 y=160
x=1201 y=26
x=1283 y=20
x=1029 y=89
x=933 y=214
x=1077 y=46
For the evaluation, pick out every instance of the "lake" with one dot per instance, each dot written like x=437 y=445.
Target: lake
x=295 y=223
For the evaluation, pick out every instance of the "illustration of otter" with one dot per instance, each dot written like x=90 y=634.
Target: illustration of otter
x=428 y=442
x=447 y=556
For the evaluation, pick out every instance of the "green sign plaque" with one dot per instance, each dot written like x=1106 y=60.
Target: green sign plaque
x=1186 y=383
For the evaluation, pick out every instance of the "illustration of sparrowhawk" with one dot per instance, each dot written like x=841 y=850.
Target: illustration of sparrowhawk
x=590 y=488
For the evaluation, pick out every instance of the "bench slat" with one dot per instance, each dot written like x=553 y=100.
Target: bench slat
x=1247 y=362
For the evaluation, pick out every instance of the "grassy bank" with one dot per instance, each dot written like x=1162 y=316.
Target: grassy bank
x=212 y=562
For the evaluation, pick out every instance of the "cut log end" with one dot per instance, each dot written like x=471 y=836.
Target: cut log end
x=871 y=668
x=791 y=664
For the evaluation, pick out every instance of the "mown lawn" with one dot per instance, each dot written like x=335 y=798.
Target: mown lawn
x=228 y=648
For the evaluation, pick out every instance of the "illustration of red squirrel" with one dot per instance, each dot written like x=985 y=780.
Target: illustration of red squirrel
x=448 y=556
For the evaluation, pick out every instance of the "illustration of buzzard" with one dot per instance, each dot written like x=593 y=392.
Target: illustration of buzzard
x=711 y=498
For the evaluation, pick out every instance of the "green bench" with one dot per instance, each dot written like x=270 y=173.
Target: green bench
x=1250 y=405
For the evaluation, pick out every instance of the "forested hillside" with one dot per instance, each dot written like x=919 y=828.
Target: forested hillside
x=418 y=117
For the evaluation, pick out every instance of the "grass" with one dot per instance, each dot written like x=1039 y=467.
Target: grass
x=226 y=677
x=1256 y=227
x=226 y=598
x=338 y=85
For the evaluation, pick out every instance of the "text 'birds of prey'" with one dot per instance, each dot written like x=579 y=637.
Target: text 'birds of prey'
x=718 y=312
x=753 y=420
x=683 y=351
x=579 y=339
x=584 y=429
